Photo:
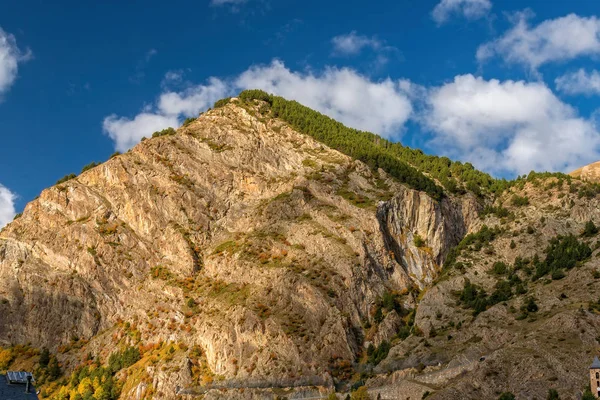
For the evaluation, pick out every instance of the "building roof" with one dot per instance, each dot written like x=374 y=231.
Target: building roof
x=15 y=391
x=18 y=376
x=595 y=364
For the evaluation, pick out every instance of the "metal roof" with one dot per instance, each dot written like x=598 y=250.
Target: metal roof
x=15 y=391
x=595 y=364
x=18 y=376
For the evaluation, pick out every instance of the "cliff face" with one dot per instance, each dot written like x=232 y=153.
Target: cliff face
x=257 y=246
x=411 y=215
x=246 y=260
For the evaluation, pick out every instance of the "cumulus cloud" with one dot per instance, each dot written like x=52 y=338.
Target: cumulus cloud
x=10 y=58
x=552 y=40
x=470 y=9
x=192 y=100
x=580 y=82
x=7 y=206
x=509 y=126
x=342 y=94
x=126 y=132
x=168 y=111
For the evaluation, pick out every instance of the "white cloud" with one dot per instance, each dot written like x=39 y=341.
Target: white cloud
x=510 y=126
x=10 y=57
x=168 y=112
x=580 y=82
x=126 y=133
x=7 y=206
x=352 y=44
x=470 y=9
x=172 y=77
x=342 y=94
x=192 y=100
x=559 y=39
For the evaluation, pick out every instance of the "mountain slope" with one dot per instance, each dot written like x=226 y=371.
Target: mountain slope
x=240 y=257
x=589 y=172
x=237 y=235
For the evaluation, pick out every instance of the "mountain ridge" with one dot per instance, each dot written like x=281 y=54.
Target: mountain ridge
x=238 y=252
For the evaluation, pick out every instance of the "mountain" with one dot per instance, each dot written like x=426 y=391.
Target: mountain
x=264 y=250
x=589 y=172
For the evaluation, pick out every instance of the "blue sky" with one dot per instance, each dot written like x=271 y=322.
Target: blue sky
x=508 y=85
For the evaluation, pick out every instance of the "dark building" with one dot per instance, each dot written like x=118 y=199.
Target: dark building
x=14 y=386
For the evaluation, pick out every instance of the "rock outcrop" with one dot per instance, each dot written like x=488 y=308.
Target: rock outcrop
x=589 y=172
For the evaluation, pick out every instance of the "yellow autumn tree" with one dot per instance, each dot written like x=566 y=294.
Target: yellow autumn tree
x=6 y=357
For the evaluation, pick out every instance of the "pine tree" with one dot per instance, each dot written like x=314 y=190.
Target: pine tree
x=53 y=369
x=44 y=358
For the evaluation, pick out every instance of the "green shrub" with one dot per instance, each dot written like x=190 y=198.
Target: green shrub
x=513 y=245
x=66 y=178
x=403 y=332
x=502 y=292
x=519 y=201
x=378 y=315
x=255 y=94
x=115 y=154
x=506 y=396
x=89 y=166
x=562 y=253
x=552 y=395
x=587 y=395
x=558 y=274
x=123 y=359
x=499 y=268
x=589 y=190
x=499 y=211
x=222 y=102
x=473 y=297
x=379 y=353
x=529 y=306
x=164 y=132
x=590 y=229
x=188 y=121
x=418 y=240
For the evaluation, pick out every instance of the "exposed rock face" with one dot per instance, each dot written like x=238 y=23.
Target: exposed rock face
x=443 y=224
x=589 y=172
x=239 y=236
